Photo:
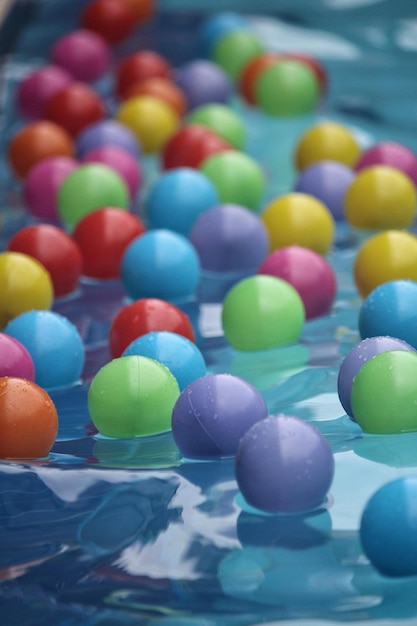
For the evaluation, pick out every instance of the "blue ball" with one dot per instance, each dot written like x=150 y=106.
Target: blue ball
x=180 y=355
x=388 y=528
x=160 y=264
x=178 y=198
x=390 y=309
x=54 y=344
x=218 y=25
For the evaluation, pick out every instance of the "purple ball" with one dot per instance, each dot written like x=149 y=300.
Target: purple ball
x=107 y=133
x=203 y=82
x=327 y=181
x=212 y=413
x=82 y=53
x=15 y=359
x=42 y=183
x=358 y=356
x=284 y=465
x=392 y=154
x=35 y=90
x=121 y=160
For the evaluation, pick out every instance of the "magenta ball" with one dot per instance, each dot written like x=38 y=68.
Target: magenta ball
x=82 y=53
x=15 y=359
x=35 y=90
x=42 y=183
x=119 y=159
x=308 y=272
x=392 y=154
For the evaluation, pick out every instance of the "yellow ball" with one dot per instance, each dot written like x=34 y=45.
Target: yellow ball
x=152 y=120
x=301 y=219
x=327 y=141
x=390 y=255
x=24 y=285
x=381 y=197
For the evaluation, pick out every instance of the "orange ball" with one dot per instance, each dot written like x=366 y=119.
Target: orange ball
x=28 y=420
x=35 y=142
x=251 y=72
x=162 y=88
x=141 y=9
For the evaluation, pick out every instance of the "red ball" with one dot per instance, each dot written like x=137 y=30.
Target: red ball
x=55 y=250
x=140 y=66
x=103 y=236
x=144 y=316
x=190 y=146
x=75 y=107
x=114 y=20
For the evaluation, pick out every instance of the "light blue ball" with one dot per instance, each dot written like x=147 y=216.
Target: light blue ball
x=54 y=344
x=180 y=355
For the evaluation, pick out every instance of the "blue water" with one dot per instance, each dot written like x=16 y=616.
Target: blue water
x=127 y=532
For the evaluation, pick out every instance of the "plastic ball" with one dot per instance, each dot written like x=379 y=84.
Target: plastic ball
x=308 y=272
x=31 y=287
x=392 y=154
x=160 y=264
x=287 y=87
x=177 y=198
x=75 y=107
x=223 y=121
x=234 y=49
x=142 y=10
x=217 y=25
x=103 y=236
x=381 y=197
x=180 y=355
x=15 y=360
x=384 y=391
x=386 y=256
x=35 y=142
x=387 y=528
x=34 y=91
x=54 y=344
x=314 y=65
x=107 y=133
x=55 y=250
x=389 y=309
x=262 y=312
x=121 y=161
x=89 y=187
x=41 y=186
x=298 y=218
x=144 y=316
x=229 y=238
x=132 y=396
x=358 y=356
x=28 y=420
x=284 y=465
x=83 y=54
x=327 y=181
x=327 y=141
x=252 y=71
x=151 y=119
x=237 y=178
x=190 y=146
x=161 y=88
x=112 y=19
x=140 y=66
x=203 y=82
x=213 y=413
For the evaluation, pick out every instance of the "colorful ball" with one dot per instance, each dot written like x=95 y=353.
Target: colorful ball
x=390 y=153
x=203 y=82
x=15 y=360
x=234 y=49
x=34 y=91
x=213 y=413
x=121 y=161
x=162 y=88
x=327 y=141
x=140 y=66
x=190 y=146
x=54 y=344
x=142 y=10
x=75 y=107
x=41 y=186
x=83 y=54
x=223 y=121
x=262 y=312
x=284 y=465
x=107 y=133
x=111 y=19
x=132 y=396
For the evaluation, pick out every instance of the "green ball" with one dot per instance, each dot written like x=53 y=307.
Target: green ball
x=89 y=187
x=237 y=177
x=262 y=312
x=223 y=121
x=234 y=50
x=132 y=396
x=384 y=393
x=287 y=88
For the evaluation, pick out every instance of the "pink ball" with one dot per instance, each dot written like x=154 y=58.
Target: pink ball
x=82 y=53
x=308 y=272
x=35 y=90
x=392 y=154
x=42 y=183
x=122 y=161
x=15 y=360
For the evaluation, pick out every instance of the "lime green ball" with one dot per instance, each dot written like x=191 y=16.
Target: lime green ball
x=132 y=396
x=223 y=121
x=287 y=88
x=237 y=177
x=384 y=393
x=89 y=187
x=262 y=312
x=234 y=50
